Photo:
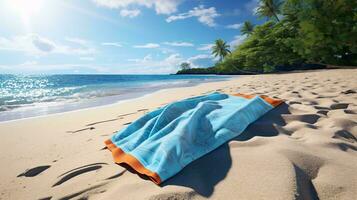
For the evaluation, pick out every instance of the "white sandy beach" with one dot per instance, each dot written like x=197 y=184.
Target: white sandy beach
x=303 y=149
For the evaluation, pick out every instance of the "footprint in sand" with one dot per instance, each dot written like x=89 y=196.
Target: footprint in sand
x=78 y=171
x=350 y=112
x=349 y=92
x=336 y=106
x=345 y=135
x=294 y=102
x=323 y=112
x=34 y=171
x=307 y=118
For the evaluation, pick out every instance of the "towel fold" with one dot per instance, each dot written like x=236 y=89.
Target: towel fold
x=164 y=141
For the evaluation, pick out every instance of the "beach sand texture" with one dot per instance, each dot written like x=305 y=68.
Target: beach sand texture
x=303 y=149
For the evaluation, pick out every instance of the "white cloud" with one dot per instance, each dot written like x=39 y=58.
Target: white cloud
x=33 y=67
x=166 y=6
x=160 y=6
x=234 y=26
x=147 y=46
x=205 y=47
x=114 y=44
x=179 y=44
x=238 y=40
x=130 y=13
x=79 y=41
x=200 y=57
x=143 y=60
x=170 y=64
x=149 y=65
x=29 y=63
x=204 y=15
x=167 y=51
x=146 y=65
x=197 y=59
x=37 y=45
x=87 y=58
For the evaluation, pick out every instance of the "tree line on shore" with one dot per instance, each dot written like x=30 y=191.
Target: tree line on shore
x=298 y=34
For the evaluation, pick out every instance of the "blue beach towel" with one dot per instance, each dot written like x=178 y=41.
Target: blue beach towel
x=164 y=141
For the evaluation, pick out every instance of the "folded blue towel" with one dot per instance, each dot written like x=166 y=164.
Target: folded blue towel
x=164 y=141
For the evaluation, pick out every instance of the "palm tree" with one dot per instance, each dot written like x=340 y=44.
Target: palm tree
x=221 y=49
x=185 y=66
x=247 y=28
x=269 y=8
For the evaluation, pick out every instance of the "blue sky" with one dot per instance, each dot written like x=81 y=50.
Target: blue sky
x=116 y=36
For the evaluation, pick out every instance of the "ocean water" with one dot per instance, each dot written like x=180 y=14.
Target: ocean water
x=35 y=95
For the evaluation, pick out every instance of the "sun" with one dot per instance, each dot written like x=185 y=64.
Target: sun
x=26 y=8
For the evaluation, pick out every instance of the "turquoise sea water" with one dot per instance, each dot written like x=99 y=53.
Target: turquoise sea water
x=34 y=95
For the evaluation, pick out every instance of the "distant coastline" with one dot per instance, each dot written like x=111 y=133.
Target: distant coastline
x=215 y=71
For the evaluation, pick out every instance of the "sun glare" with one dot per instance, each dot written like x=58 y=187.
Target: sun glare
x=26 y=8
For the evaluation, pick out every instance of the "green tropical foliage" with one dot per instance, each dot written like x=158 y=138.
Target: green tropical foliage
x=247 y=28
x=185 y=66
x=327 y=30
x=309 y=34
x=269 y=9
x=267 y=47
x=220 y=49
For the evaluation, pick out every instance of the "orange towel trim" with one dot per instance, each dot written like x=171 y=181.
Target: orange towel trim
x=271 y=101
x=121 y=157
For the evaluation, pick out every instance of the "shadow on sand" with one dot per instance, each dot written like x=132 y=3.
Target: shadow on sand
x=203 y=174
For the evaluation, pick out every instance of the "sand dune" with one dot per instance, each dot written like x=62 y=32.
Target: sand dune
x=303 y=149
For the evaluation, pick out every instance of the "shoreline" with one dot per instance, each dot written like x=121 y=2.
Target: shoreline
x=310 y=141
x=100 y=106
x=92 y=103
